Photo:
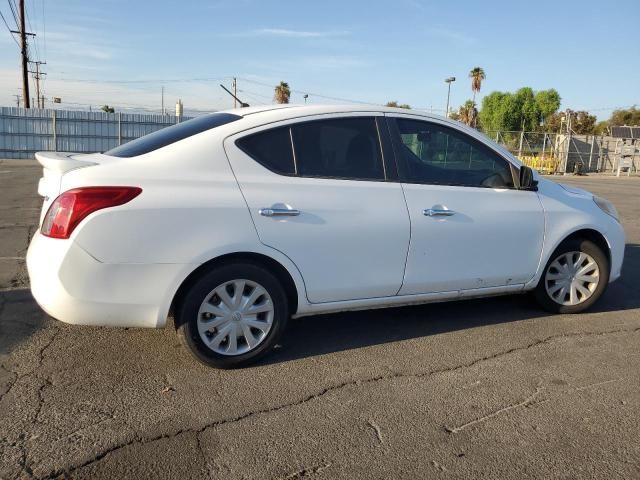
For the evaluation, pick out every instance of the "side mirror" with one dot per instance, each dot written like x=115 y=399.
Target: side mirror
x=526 y=179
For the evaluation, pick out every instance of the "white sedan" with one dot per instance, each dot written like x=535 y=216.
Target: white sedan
x=236 y=221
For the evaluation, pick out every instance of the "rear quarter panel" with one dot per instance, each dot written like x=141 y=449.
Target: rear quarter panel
x=190 y=205
x=190 y=211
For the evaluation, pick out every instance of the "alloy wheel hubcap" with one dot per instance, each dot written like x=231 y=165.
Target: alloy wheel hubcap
x=235 y=317
x=572 y=278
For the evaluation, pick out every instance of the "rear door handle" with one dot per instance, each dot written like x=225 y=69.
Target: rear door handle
x=279 y=212
x=438 y=212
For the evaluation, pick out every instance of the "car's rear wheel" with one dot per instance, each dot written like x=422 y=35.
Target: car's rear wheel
x=232 y=315
x=574 y=278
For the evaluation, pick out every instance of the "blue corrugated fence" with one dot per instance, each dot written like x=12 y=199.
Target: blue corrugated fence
x=26 y=131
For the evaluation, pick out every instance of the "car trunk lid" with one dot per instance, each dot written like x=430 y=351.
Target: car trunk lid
x=54 y=166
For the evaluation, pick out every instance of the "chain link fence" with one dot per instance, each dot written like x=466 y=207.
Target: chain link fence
x=559 y=153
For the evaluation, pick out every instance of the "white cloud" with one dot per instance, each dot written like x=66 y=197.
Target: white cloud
x=78 y=43
x=329 y=62
x=284 y=32
x=451 y=35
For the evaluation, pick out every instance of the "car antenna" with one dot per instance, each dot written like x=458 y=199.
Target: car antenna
x=242 y=104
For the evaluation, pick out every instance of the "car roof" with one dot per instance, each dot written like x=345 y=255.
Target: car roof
x=291 y=110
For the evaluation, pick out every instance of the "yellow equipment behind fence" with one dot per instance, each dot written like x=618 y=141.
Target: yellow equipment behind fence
x=547 y=165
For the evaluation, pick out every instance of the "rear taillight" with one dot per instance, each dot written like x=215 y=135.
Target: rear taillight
x=71 y=207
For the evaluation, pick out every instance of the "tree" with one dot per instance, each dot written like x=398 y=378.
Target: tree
x=468 y=113
x=548 y=102
x=454 y=116
x=282 y=93
x=493 y=111
x=476 y=75
x=582 y=123
x=601 y=128
x=554 y=122
x=628 y=117
x=521 y=110
x=108 y=109
x=395 y=104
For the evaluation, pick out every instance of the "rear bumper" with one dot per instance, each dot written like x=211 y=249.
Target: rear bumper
x=73 y=287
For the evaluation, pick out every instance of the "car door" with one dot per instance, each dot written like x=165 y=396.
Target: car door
x=471 y=228
x=318 y=191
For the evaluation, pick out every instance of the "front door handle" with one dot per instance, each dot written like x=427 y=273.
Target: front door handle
x=438 y=212
x=279 y=212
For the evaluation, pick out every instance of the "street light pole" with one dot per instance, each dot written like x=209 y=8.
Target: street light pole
x=448 y=81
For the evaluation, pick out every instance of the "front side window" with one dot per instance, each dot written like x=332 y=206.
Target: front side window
x=338 y=148
x=435 y=154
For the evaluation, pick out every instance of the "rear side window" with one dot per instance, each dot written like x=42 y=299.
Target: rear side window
x=172 y=134
x=271 y=149
x=338 y=148
x=346 y=148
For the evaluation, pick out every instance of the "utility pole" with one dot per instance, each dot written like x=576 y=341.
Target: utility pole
x=17 y=95
x=25 y=59
x=162 y=100
x=38 y=75
x=235 y=92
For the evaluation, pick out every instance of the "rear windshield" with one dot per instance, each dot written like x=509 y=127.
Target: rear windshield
x=172 y=134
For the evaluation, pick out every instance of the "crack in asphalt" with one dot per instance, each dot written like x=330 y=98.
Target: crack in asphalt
x=376 y=428
x=25 y=464
x=524 y=403
x=307 y=471
x=204 y=457
x=46 y=383
x=327 y=390
x=11 y=383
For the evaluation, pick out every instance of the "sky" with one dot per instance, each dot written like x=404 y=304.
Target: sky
x=123 y=53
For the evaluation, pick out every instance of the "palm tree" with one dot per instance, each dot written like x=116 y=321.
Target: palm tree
x=468 y=112
x=477 y=76
x=282 y=93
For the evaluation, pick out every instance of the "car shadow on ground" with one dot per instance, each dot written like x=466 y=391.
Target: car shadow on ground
x=20 y=318
x=322 y=334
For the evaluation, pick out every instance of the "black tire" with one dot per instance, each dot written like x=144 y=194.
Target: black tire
x=575 y=245
x=187 y=314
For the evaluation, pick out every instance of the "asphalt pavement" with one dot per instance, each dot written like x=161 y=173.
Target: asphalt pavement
x=493 y=388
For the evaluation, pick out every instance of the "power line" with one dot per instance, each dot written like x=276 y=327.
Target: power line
x=44 y=29
x=303 y=92
x=37 y=76
x=160 y=80
x=34 y=43
x=8 y=28
x=208 y=79
x=13 y=9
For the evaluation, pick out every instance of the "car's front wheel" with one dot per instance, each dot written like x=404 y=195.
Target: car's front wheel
x=232 y=315
x=574 y=278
